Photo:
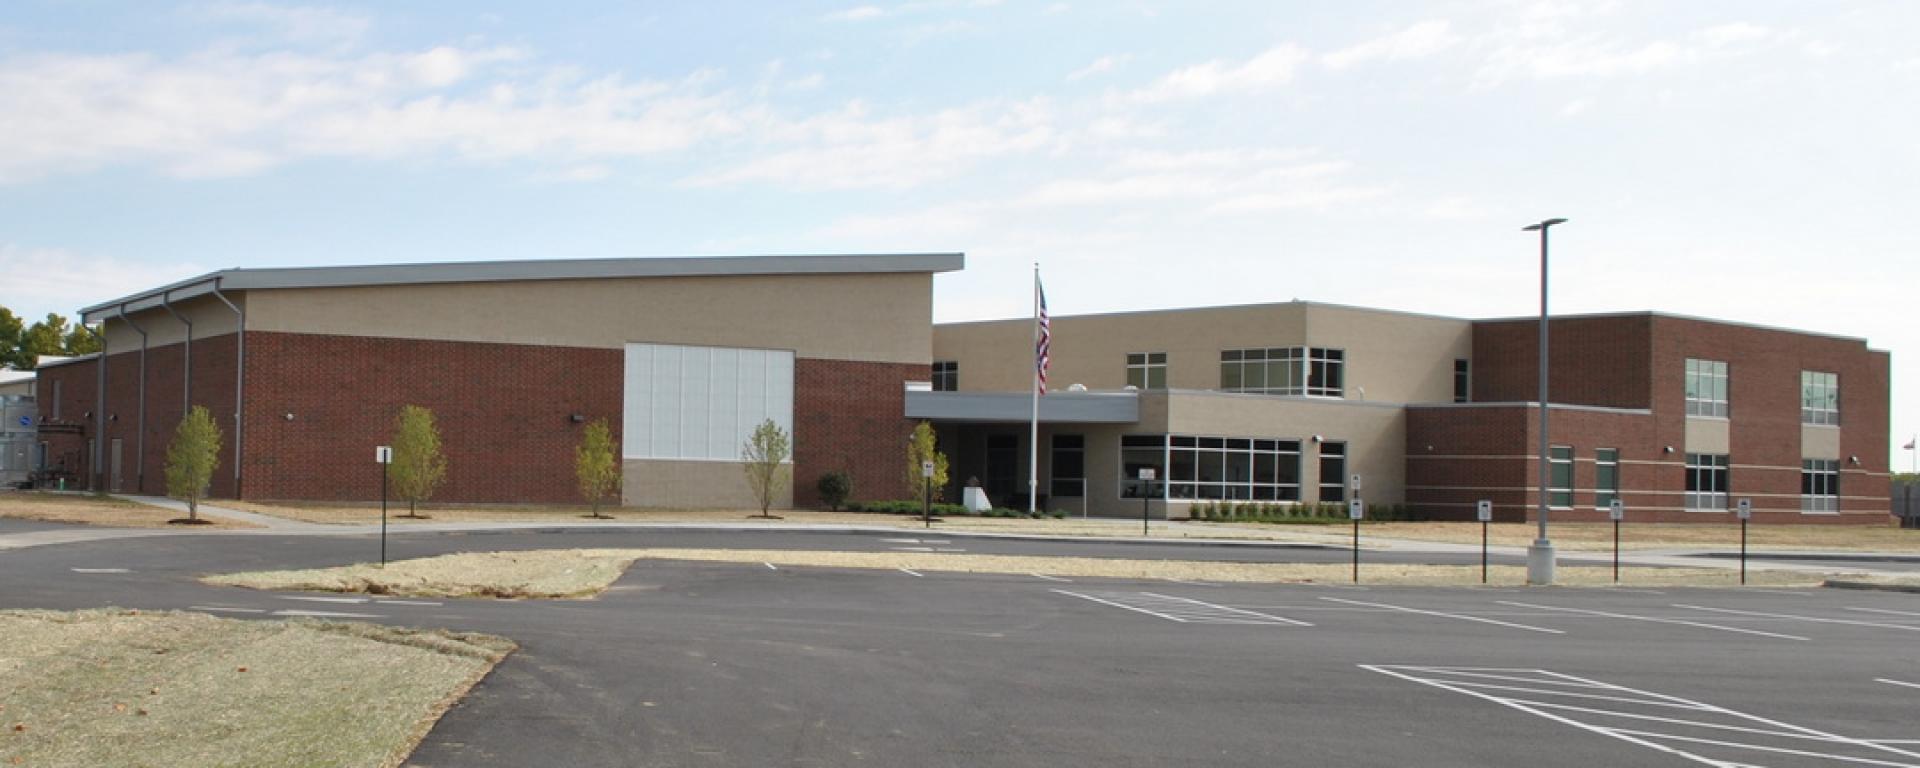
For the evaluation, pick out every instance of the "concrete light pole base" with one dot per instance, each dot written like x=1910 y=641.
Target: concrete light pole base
x=1540 y=563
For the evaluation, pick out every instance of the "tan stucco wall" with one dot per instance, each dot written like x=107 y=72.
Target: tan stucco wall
x=692 y=484
x=1819 y=442
x=873 y=317
x=1375 y=434
x=209 y=317
x=1396 y=357
x=1707 y=436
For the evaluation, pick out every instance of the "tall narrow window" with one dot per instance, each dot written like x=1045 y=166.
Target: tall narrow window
x=1706 y=388
x=1069 y=466
x=1326 y=372
x=1561 y=488
x=1819 y=397
x=56 y=399
x=1333 y=471
x=946 y=375
x=1462 y=381
x=1706 y=481
x=1606 y=476
x=1147 y=370
x=1819 y=485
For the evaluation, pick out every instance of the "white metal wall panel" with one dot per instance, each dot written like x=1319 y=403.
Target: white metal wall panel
x=685 y=402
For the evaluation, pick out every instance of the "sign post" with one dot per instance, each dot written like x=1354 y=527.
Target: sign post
x=383 y=455
x=1146 y=497
x=1616 y=511
x=926 y=502
x=1356 y=509
x=1484 y=512
x=1745 y=511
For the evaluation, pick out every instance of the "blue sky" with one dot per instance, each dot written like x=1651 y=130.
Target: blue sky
x=1754 y=161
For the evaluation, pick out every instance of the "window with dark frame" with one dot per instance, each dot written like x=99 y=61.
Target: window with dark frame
x=1707 y=481
x=946 y=375
x=1462 y=381
x=1333 y=471
x=1147 y=370
x=1138 y=452
x=1819 y=398
x=1606 y=476
x=1820 y=485
x=1560 y=489
x=1707 y=388
x=1069 y=466
x=1311 y=371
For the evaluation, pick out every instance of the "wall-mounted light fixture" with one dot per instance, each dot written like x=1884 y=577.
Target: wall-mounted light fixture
x=1319 y=439
x=1854 y=459
x=1668 y=449
x=576 y=418
x=289 y=415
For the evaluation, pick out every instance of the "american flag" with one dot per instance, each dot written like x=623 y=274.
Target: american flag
x=1041 y=347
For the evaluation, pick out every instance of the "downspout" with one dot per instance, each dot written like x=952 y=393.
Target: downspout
x=186 y=390
x=239 y=385
x=140 y=438
x=99 y=472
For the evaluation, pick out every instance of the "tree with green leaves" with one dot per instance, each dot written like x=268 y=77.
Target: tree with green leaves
x=11 y=332
x=596 y=464
x=47 y=337
x=191 y=459
x=418 y=466
x=765 y=455
x=920 y=448
x=80 y=341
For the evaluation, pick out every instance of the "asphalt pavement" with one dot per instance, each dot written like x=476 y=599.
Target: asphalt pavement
x=740 y=664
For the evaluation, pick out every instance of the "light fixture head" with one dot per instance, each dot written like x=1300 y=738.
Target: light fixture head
x=1542 y=225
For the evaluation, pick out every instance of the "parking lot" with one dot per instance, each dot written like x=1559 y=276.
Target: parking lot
x=746 y=664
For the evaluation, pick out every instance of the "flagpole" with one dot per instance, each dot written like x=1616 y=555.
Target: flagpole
x=1033 y=426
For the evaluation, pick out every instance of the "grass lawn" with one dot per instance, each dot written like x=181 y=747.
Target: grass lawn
x=132 y=688
x=1599 y=536
x=95 y=510
x=587 y=572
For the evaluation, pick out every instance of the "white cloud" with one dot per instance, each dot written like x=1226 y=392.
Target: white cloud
x=1418 y=41
x=1734 y=34
x=1275 y=66
x=1457 y=209
x=1098 y=66
x=1575 y=107
x=852 y=149
x=43 y=280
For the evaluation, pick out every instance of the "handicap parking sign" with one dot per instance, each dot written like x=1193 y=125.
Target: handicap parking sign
x=26 y=421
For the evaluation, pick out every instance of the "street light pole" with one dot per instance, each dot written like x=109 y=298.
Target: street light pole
x=1540 y=560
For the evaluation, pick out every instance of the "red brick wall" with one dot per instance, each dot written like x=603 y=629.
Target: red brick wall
x=849 y=416
x=213 y=382
x=502 y=409
x=1602 y=361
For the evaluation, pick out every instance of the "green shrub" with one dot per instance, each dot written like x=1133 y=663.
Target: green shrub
x=834 y=488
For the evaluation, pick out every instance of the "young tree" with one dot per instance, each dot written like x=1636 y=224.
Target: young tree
x=191 y=459
x=766 y=455
x=418 y=466
x=920 y=447
x=596 y=463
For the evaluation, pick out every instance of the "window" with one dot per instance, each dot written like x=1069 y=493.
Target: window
x=40 y=458
x=1819 y=397
x=1333 y=471
x=1820 y=485
x=1706 y=388
x=1706 y=481
x=1284 y=371
x=946 y=375
x=56 y=399
x=1606 y=477
x=1235 y=468
x=1069 y=466
x=1138 y=452
x=1147 y=370
x=1560 y=487
x=1462 y=381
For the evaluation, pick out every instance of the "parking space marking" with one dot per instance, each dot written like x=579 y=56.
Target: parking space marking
x=1711 y=735
x=406 y=602
x=1896 y=682
x=770 y=566
x=1883 y=610
x=1654 y=619
x=224 y=609
x=1801 y=593
x=912 y=549
x=1789 y=616
x=328 y=614
x=1044 y=577
x=901 y=541
x=1183 y=610
x=1462 y=617
x=99 y=570
x=911 y=572
x=316 y=599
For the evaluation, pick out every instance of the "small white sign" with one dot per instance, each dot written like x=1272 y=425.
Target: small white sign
x=383 y=454
x=1146 y=473
x=1744 y=509
x=1483 y=511
x=1356 y=509
x=926 y=469
x=1356 y=481
x=1616 y=510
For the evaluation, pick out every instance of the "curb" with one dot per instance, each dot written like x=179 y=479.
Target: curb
x=1871 y=586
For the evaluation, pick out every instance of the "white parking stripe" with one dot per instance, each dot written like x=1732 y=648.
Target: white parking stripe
x=1653 y=619
x=1790 y=616
x=225 y=610
x=1896 y=682
x=99 y=570
x=911 y=572
x=1883 y=610
x=1045 y=577
x=1281 y=619
x=1440 y=614
x=1122 y=606
x=328 y=614
x=770 y=566
x=325 y=599
x=406 y=602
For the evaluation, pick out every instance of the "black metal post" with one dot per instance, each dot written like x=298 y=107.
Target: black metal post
x=926 y=503
x=1743 y=551
x=1483 y=551
x=1356 y=550
x=1146 y=506
x=1616 y=551
x=383 y=513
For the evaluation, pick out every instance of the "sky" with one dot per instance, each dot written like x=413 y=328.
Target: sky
x=1754 y=161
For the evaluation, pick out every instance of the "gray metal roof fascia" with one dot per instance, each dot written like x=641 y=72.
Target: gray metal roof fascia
x=548 y=269
x=1055 y=408
x=74 y=360
x=1302 y=303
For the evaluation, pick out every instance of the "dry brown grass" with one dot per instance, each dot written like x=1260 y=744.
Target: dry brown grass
x=1643 y=536
x=132 y=688
x=587 y=572
x=96 y=510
